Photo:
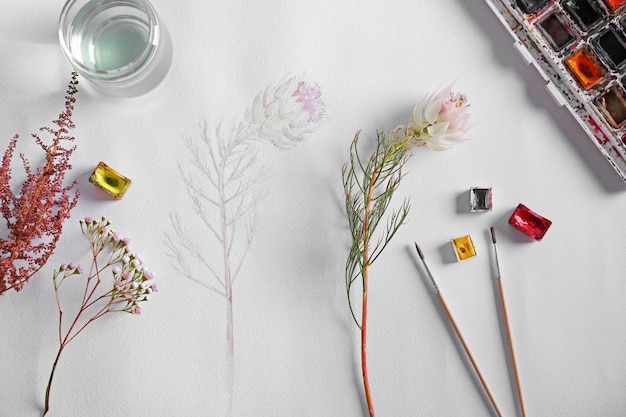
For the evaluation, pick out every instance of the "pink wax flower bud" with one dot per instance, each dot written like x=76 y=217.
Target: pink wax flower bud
x=148 y=275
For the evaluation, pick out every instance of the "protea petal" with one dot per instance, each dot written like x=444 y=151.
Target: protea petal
x=440 y=120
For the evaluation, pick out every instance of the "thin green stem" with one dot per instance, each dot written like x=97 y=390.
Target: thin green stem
x=367 y=199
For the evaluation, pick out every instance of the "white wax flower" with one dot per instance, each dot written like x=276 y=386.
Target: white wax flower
x=440 y=120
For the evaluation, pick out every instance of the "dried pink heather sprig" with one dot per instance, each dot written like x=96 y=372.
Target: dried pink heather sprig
x=35 y=216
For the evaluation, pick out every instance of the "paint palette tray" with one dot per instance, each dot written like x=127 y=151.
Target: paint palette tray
x=579 y=48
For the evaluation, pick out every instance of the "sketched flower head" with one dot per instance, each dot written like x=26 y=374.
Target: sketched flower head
x=440 y=120
x=287 y=112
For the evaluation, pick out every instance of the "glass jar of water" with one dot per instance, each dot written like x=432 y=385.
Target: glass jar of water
x=119 y=46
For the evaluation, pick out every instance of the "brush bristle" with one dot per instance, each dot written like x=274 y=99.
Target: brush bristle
x=493 y=235
x=419 y=252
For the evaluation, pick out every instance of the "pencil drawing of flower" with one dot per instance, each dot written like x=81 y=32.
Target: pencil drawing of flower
x=440 y=120
x=222 y=177
x=287 y=112
x=34 y=217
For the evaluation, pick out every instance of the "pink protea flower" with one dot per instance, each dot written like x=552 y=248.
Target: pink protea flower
x=440 y=120
x=287 y=112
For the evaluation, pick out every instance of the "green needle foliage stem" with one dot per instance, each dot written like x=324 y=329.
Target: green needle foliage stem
x=369 y=187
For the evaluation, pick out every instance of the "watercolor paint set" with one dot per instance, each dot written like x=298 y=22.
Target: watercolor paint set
x=579 y=47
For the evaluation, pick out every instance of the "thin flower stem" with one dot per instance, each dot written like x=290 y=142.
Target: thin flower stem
x=56 y=295
x=69 y=336
x=368 y=395
x=86 y=301
x=102 y=297
x=71 y=332
x=48 y=388
x=90 y=276
x=96 y=316
x=366 y=383
x=367 y=199
x=366 y=263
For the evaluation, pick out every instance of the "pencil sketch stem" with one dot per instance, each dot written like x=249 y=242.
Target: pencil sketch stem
x=228 y=284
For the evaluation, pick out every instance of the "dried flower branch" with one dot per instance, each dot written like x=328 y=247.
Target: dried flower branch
x=35 y=216
x=439 y=121
x=132 y=283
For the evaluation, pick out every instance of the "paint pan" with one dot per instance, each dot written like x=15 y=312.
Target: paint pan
x=579 y=47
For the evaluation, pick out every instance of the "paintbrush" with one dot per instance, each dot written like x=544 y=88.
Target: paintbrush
x=459 y=335
x=507 y=328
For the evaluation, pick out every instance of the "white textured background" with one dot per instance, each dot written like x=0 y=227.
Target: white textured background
x=296 y=347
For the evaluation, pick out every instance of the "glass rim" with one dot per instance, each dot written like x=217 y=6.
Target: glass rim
x=124 y=72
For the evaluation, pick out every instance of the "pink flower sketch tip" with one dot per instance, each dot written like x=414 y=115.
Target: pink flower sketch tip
x=311 y=98
x=440 y=120
x=288 y=112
